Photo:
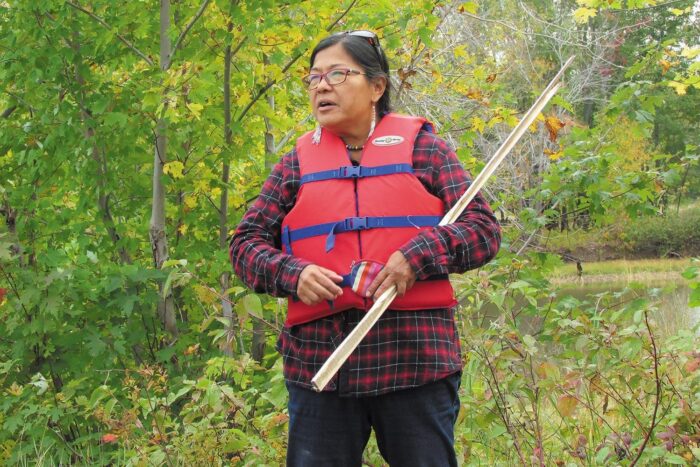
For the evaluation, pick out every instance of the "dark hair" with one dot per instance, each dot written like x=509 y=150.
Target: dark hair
x=372 y=61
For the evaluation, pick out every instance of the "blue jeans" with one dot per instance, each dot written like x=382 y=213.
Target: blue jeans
x=413 y=427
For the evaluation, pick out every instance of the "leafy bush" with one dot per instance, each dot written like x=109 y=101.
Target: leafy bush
x=669 y=235
x=554 y=380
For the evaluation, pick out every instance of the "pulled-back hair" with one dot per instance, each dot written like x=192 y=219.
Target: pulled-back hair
x=372 y=61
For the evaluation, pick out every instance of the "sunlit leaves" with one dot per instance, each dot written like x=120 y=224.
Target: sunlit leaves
x=583 y=14
x=174 y=169
x=680 y=88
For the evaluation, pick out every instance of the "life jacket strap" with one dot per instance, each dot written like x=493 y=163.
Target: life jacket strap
x=354 y=223
x=360 y=171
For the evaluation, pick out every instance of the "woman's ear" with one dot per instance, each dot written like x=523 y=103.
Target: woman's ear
x=378 y=87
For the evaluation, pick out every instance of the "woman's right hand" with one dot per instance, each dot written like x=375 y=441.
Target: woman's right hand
x=317 y=284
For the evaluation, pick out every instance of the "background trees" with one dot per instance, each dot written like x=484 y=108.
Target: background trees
x=133 y=137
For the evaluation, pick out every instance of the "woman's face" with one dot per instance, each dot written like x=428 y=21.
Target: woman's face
x=346 y=108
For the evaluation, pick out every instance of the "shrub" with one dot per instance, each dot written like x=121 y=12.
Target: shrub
x=669 y=235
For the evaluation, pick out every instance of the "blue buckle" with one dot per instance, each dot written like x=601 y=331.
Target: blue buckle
x=350 y=171
x=356 y=223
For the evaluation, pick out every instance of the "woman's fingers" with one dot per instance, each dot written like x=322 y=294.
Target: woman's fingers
x=377 y=282
x=317 y=284
x=397 y=272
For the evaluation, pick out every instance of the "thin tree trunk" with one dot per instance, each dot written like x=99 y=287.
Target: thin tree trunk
x=225 y=278
x=158 y=236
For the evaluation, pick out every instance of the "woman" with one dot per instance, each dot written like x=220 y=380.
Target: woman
x=360 y=197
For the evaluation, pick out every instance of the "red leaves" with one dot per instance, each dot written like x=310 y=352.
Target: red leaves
x=694 y=363
x=3 y=292
x=109 y=438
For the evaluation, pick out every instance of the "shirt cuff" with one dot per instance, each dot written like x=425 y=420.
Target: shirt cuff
x=420 y=254
x=290 y=275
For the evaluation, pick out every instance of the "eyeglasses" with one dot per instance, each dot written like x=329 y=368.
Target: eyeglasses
x=371 y=38
x=333 y=77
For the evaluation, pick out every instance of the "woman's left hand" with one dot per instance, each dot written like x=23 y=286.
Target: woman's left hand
x=397 y=271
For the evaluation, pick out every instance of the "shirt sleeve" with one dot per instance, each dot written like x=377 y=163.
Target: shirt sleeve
x=255 y=248
x=470 y=242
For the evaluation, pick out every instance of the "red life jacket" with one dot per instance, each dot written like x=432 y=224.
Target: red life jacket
x=345 y=214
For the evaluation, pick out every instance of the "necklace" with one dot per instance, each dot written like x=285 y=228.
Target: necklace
x=351 y=147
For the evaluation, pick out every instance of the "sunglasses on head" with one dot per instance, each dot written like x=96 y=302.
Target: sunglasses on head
x=370 y=37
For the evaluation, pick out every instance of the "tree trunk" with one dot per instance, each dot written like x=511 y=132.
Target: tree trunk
x=158 y=236
x=225 y=278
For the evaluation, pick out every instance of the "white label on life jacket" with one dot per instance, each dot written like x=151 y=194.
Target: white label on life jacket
x=389 y=140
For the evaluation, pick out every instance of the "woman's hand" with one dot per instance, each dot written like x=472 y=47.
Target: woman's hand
x=396 y=272
x=316 y=284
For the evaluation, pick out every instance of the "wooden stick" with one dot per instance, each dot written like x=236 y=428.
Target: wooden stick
x=341 y=354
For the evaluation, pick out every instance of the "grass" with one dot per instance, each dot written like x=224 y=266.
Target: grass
x=622 y=270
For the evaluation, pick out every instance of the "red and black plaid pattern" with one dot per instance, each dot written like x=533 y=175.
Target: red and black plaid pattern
x=406 y=348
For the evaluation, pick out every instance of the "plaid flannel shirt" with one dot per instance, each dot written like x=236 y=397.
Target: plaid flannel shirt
x=405 y=348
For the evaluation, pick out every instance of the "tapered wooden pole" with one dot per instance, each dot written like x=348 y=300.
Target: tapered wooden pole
x=341 y=354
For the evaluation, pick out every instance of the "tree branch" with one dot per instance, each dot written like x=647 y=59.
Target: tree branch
x=8 y=112
x=184 y=32
x=658 y=390
x=272 y=82
x=110 y=28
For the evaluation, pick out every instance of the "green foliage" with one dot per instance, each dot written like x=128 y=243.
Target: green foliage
x=87 y=373
x=693 y=275
x=231 y=413
x=674 y=234
x=557 y=380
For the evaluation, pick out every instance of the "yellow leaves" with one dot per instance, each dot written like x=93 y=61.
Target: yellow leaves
x=583 y=14
x=238 y=140
x=201 y=185
x=294 y=34
x=494 y=120
x=533 y=126
x=680 y=88
x=174 y=169
x=15 y=389
x=460 y=51
x=678 y=12
x=468 y=7
x=690 y=53
x=478 y=124
x=567 y=405
x=205 y=294
x=190 y=201
x=510 y=118
x=474 y=94
x=196 y=109
x=553 y=125
x=553 y=155
x=665 y=65
x=192 y=350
